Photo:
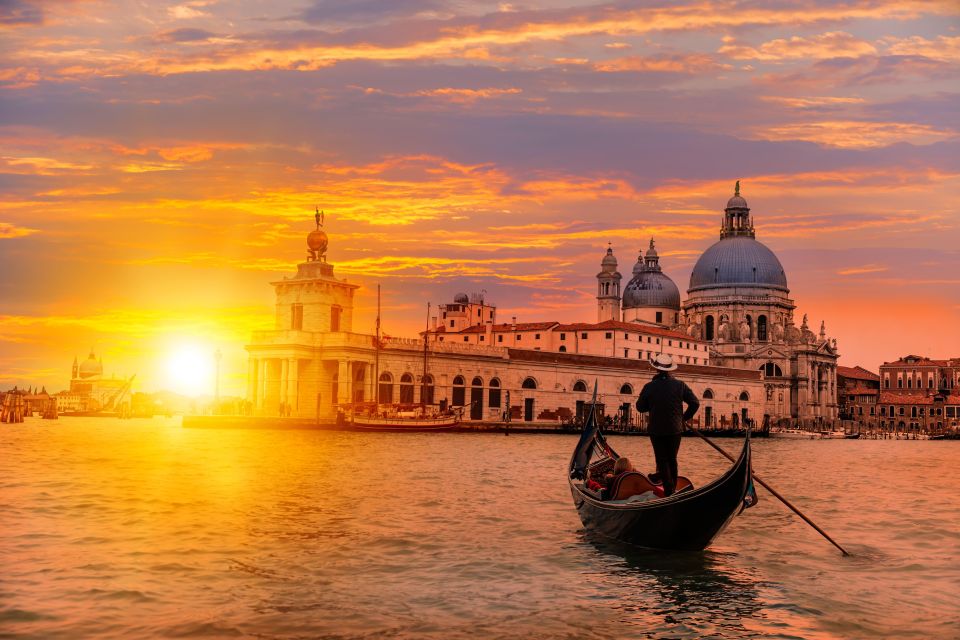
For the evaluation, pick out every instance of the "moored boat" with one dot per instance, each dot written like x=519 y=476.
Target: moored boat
x=796 y=434
x=403 y=423
x=687 y=520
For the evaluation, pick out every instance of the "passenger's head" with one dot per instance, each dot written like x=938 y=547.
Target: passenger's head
x=622 y=464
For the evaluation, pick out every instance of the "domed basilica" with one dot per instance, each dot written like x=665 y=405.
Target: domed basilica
x=739 y=303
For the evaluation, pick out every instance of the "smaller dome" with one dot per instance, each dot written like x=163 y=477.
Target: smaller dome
x=737 y=202
x=651 y=289
x=317 y=241
x=609 y=262
x=638 y=267
x=461 y=298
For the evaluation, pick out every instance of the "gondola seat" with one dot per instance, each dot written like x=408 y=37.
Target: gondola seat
x=632 y=483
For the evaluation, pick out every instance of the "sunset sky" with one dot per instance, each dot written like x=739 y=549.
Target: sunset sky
x=160 y=163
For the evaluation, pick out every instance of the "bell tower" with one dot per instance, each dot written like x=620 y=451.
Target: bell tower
x=608 y=288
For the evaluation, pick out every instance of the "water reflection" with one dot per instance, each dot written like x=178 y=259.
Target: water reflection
x=679 y=594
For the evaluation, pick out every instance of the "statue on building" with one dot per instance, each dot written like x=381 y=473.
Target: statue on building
x=744 y=331
x=778 y=332
x=723 y=331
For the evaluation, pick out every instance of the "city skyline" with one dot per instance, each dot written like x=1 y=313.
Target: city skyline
x=162 y=168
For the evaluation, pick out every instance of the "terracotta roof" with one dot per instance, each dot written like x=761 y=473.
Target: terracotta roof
x=860 y=390
x=921 y=362
x=608 y=362
x=606 y=325
x=506 y=328
x=626 y=326
x=890 y=397
x=857 y=373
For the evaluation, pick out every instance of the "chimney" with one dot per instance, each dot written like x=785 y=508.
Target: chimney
x=489 y=332
x=433 y=324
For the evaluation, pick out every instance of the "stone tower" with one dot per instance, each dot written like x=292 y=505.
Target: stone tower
x=608 y=288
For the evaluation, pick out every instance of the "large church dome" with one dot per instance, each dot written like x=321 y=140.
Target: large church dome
x=90 y=367
x=738 y=259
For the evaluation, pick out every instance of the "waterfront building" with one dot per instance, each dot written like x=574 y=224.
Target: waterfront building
x=313 y=361
x=920 y=394
x=89 y=389
x=857 y=393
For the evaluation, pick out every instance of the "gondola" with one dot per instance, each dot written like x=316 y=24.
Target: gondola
x=688 y=520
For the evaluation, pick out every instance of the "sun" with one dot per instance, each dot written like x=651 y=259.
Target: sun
x=190 y=370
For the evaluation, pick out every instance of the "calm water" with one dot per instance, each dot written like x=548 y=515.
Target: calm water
x=144 y=529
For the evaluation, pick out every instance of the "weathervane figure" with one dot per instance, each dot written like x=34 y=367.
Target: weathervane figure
x=318 y=217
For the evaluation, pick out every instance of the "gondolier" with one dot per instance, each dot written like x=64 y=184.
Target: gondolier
x=664 y=397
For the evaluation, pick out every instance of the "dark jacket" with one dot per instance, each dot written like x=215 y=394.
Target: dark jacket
x=663 y=397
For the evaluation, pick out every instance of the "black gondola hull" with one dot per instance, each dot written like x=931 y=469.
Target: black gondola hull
x=684 y=521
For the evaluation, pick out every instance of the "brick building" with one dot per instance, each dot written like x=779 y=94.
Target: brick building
x=920 y=394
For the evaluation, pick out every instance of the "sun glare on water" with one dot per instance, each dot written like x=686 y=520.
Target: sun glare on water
x=190 y=370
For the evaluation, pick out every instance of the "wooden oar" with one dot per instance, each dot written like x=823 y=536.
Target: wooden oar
x=775 y=493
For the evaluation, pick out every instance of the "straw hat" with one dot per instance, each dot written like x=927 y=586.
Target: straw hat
x=663 y=362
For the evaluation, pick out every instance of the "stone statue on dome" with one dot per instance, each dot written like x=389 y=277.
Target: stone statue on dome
x=744 y=331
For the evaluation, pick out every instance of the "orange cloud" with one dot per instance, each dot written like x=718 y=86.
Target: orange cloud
x=691 y=63
x=848 y=134
x=8 y=230
x=833 y=44
x=867 y=268
x=943 y=48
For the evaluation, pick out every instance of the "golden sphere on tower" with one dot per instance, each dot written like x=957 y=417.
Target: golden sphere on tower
x=317 y=241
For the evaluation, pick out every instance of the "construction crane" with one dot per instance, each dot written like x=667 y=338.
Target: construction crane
x=117 y=397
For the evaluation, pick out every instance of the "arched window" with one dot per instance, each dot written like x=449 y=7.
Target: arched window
x=762 y=328
x=579 y=385
x=476 y=382
x=708 y=394
x=913 y=412
x=626 y=389
x=385 y=388
x=406 y=389
x=426 y=390
x=563 y=349
x=459 y=392
x=709 y=328
x=494 y=400
x=529 y=383
x=744 y=396
x=771 y=369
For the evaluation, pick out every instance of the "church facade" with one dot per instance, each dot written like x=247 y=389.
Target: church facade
x=733 y=337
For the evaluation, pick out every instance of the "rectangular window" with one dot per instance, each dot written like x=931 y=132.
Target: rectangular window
x=563 y=336
x=296 y=317
x=536 y=336
x=609 y=335
x=658 y=340
x=441 y=338
x=648 y=338
x=466 y=338
x=669 y=343
x=453 y=323
x=500 y=338
x=482 y=338
x=583 y=336
x=626 y=336
x=626 y=353
x=899 y=383
x=659 y=317
x=519 y=336
x=335 y=313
